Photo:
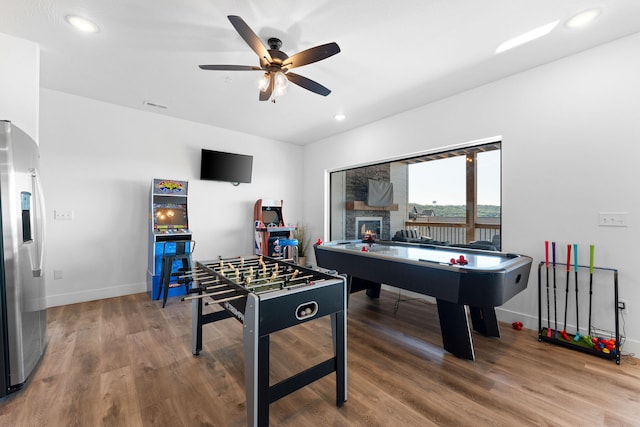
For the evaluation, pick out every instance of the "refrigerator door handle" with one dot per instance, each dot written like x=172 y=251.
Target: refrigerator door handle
x=40 y=223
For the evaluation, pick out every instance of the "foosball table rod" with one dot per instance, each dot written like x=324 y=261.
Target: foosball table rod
x=252 y=286
x=215 y=301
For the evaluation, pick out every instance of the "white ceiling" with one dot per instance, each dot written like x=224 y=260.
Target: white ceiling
x=396 y=55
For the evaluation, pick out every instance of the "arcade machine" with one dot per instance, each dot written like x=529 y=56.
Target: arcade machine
x=269 y=226
x=169 y=234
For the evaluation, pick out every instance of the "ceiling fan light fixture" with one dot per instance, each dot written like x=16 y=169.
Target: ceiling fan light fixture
x=527 y=37
x=583 y=18
x=280 y=83
x=263 y=82
x=82 y=24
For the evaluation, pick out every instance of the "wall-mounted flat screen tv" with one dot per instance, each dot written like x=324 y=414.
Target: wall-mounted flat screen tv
x=221 y=166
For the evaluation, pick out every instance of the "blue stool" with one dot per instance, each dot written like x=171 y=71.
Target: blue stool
x=289 y=249
x=183 y=251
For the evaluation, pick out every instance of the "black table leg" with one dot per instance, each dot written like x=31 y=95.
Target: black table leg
x=196 y=325
x=264 y=399
x=454 y=326
x=484 y=321
x=357 y=284
x=338 y=333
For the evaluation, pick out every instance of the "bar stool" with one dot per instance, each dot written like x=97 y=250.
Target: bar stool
x=289 y=249
x=182 y=253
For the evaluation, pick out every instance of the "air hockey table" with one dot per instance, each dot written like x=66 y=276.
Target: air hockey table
x=471 y=288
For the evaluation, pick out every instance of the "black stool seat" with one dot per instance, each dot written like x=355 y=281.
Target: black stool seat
x=183 y=251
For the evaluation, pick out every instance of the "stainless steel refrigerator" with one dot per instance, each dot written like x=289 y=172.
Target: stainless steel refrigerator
x=22 y=294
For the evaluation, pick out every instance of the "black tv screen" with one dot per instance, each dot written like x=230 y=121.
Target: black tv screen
x=221 y=166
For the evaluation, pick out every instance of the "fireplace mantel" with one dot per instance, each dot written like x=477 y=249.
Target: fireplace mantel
x=356 y=205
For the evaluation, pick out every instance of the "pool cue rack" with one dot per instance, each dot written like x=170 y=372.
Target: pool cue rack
x=580 y=345
x=268 y=295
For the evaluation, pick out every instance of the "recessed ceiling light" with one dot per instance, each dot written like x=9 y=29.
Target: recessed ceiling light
x=340 y=117
x=82 y=24
x=583 y=18
x=527 y=37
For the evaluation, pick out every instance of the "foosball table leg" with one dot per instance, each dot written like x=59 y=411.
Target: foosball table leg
x=250 y=338
x=338 y=333
x=196 y=326
x=264 y=395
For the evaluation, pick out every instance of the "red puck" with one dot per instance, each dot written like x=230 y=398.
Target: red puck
x=517 y=326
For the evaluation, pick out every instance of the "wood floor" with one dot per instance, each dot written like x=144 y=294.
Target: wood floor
x=127 y=362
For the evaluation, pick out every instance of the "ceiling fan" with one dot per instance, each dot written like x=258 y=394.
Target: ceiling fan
x=276 y=64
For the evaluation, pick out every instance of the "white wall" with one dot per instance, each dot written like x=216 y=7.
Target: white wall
x=99 y=159
x=570 y=132
x=20 y=83
x=400 y=178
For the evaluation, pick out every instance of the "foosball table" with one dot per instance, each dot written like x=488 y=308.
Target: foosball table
x=268 y=295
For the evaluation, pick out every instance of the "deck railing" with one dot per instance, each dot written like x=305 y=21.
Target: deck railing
x=452 y=231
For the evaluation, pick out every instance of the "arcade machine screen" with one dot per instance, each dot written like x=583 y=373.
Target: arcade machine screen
x=170 y=216
x=271 y=217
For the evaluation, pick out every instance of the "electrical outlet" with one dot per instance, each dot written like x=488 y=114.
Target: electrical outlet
x=65 y=215
x=57 y=274
x=612 y=219
x=623 y=305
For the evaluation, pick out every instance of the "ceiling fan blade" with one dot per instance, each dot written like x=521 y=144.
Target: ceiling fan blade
x=311 y=55
x=266 y=94
x=230 y=67
x=308 y=84
x=250 y=37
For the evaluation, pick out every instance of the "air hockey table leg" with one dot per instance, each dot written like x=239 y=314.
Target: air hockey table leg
x=357 y=284
x=484 y=321
x=454 y=326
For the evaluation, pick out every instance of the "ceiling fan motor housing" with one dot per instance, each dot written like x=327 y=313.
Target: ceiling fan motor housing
x=277 y=55
x=274 y=43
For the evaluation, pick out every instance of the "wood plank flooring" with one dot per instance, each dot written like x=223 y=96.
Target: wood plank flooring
x=127 y=362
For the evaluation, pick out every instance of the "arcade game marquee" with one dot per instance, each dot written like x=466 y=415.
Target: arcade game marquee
x=169 y=233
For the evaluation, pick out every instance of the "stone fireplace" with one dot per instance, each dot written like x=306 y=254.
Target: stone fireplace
x=368 y=225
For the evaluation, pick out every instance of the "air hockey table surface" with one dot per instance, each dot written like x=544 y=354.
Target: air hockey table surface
x=426 y=253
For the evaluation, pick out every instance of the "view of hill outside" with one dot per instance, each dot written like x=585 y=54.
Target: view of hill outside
x=438 y=187
x=484 y=211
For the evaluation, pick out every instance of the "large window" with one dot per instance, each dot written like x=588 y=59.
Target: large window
x=439 y=185
x=451 y=196
x=488 y=170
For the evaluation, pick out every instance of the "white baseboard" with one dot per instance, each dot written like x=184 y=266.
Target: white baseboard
x=95 y=294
